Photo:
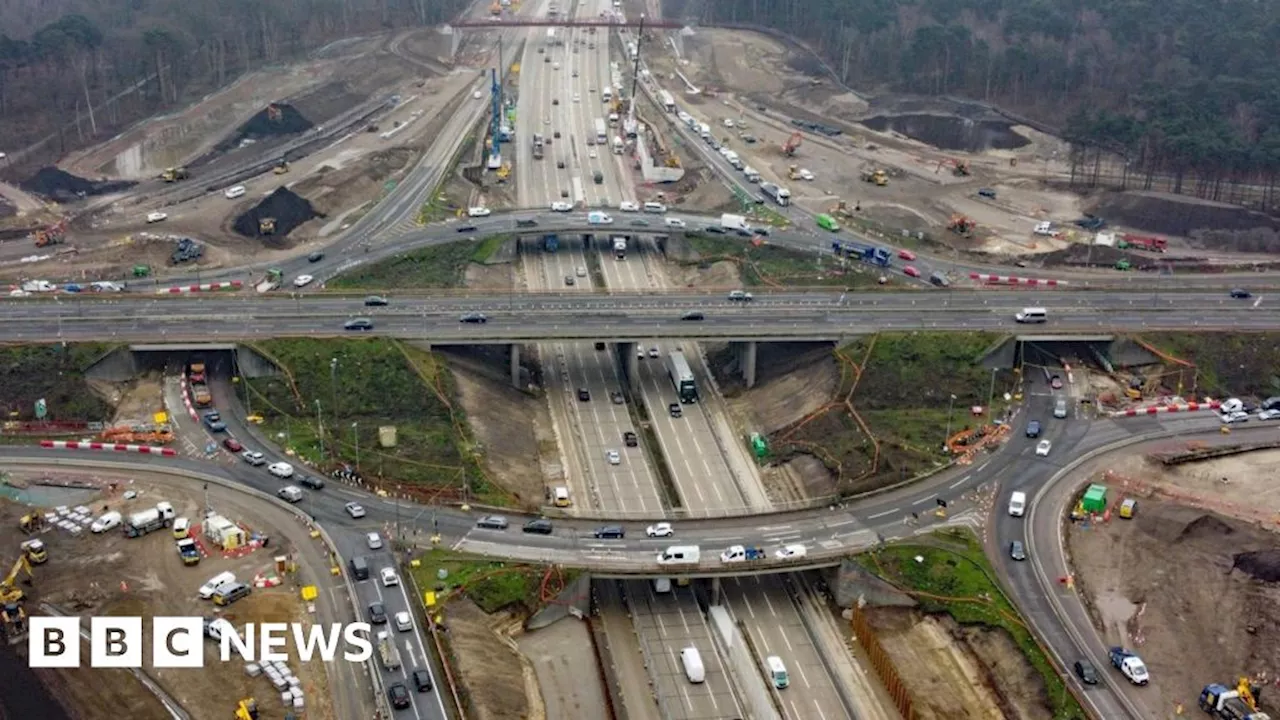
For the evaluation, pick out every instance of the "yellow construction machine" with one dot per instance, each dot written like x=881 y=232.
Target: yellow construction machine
x=267 y=226
x=841 y=210
x=32 y=524
x=504 y=172
x=960 y=168
x=672 y=161
x=793 y=172
x=876 y=177
x=247 y=709
x=281 y=167
x=10 y=593
x=174 y=174
x=35 y=551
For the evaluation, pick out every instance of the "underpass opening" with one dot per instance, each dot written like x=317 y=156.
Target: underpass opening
x=228 y=359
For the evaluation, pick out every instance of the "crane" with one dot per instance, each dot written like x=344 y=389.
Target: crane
x=10 y=593
x=793 y=144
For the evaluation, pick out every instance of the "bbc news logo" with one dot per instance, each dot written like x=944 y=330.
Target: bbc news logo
x=178 y=642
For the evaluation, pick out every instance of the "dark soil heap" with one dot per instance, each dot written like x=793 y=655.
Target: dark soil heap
x=1262 y=565
x=287 y=208
x=273 y=120
x=63 y=186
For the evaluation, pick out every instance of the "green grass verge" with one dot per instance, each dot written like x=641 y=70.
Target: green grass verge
x=437 y=266
x=760 y=265
x=956 y=569
x=378 y=382
x=1226 y=363
x=492 y=585
x=54 y=372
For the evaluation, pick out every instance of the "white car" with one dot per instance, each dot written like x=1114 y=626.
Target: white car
x=660 y=530
x=675 y=222
x=653 y=352
x=591 y=153
x=155 y=217
x=790 y=552
x=1237 y=416
x=373 y=540
x=404 y=621
x=640 y=352
x=628 y=206
x=735 y=553
x=389 y=577
x=613 y=457
x=478 y=212
x=19 y=292
x=581 y=271
x=805 y=175
x=280 y=469
x=354 y=509
x=577 y=97
x=302 y=280
x=1269 y=414
x=477 y=95
x=1043 y=448
x=253 y=457
x=561 y=206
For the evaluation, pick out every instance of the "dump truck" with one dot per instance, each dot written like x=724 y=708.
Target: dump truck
x=1225 y=703
x=388 y=652
x=870 y=254
x=1129 y=665
x=195 y=372
x=189 y=552
x=270 y=282
x=200 y=395
x=141 y=523
x=876 y=177
x=174 y=174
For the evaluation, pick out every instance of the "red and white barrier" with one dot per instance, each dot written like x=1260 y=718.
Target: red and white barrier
x=207 y=287
x=1155 y=409
x=1013 y=280
x=108 y=447
x=186 y=398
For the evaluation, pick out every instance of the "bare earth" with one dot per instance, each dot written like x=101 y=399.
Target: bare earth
x=487 y=662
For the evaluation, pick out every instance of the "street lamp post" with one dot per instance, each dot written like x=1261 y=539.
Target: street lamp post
x=950 y=407
x=320 y=429
x=355 y=433
x=333 y=385
x=991 y=396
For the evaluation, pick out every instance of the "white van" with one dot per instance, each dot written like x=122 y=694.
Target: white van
x=654 y=207
x=206 y=590
x=234 y=192
x=777 y=672
x=1017 y=504
x=290 y=493
x=108 y=521
x=662 y=585
x=1032 y=315
x=680 y=555
x=691 y=659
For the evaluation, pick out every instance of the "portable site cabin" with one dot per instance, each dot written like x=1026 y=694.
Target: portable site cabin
x=224 y=533
x=1095 y=499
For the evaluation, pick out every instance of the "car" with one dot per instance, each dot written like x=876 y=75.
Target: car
x=674 y=410
x=389 y=577
x=740 y=296
x=674 y=222
x=556 y=134
x=555 y=101
x=575 y=73
x=232 y=445
x=910 y=271
x=404 y=621
x=592 y=154
x=617 y=398
x=311 y=481
x=538 y=526
x=354 y=509
x=613 y=457
x=280 y=469
x=1272 y=414
x=1241 y=294
x=1055 y=382
x=568 y=280
x=422 y=680
x=743 y=233
x=610 y=532
x=581 y=271
x=358 y=324
x=640 y=355
x=591 y=141
x=791 y=552
x=373 y=540
x=762 y=232
x=492 y=522
x=1235 y=416
x=303 y=280
x=1043 y=448
x=1016 y=551
x=479 y=212
x=653 y=352
x=155 y=217
x=693 y=316
x=1086 y=672
x=561 y=206
x=577 y=97
x=253 y=457
x=559 y=166
x=806 y=175
x=468 y=227
x=639 y=223
x=377 y=613
x=584 y=394
x=1060 y=408
x=376 y=301
x=714 y=230
x=660 y=530
x=906 y=255
x=1033 y=429
x=527 y=222
x=398 y=694
x=630 y=439
x=315 y=257
x=474 y=317
x=628 y=206
x=987 y=193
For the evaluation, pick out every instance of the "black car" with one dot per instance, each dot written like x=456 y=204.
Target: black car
x=692 y=315
x=398 y=694
x=630 y=439
x=538 y=527
x=640 y=223
x=375 y=301
x=584 y=394
x=422 y=680
x=315 y=257
x=674 y=410
x=714 y=229
x=1016 y=550
x=474 y=318
x=599 y=346
x=311 y=481
x=764 y=232
x=527 y=223
x=1033 y=429
x=377 y=613
x=358 y=324
x=744 y=233
x=1241 y=293
x=466 y=228
x=1086 y=672
x=560 y=164
x=610 y=532
x=492 y=522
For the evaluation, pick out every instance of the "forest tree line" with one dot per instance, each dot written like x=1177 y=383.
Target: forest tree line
x=68 y=59
x=1176 y=87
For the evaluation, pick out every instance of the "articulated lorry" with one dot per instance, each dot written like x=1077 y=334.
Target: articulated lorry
x=870 y=254
x=779 y=195
x=147 y=521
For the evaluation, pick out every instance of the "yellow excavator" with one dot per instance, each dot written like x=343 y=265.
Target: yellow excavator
x=247 y=709
x=35 y=551
x=32 y=524
x=281 y=167
x=876 y=177
x=10 y=593
x=267 y=226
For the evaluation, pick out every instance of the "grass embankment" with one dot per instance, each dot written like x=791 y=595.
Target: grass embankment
x=492 y=585
x=377 y=382
x=437 y=266
x=55 y=373
x=956 y=578
x=1226 y=364
x=774 y=266
x=900 y=385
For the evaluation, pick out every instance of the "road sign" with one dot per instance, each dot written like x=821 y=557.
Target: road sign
x=42 y=409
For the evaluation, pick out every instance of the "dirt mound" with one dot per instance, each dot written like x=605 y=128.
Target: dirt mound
x=1262 y=565
x=1175 y=524
x=951 y=133
x=63 y=186
x=273 y=120
x=1096 y=256
x=1177 y=215
x=287 y=208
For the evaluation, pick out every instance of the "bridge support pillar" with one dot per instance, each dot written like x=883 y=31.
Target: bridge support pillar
x=630 y=364
x=515 y=366
x=717 y=591
x=747 y=361
x=454 y=37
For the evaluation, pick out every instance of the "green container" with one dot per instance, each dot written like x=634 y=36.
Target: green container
x=1095 y=499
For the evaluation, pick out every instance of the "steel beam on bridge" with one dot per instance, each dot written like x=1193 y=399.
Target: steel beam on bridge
x=545 y=22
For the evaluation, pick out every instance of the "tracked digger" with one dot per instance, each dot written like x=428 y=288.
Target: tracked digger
x=10 y=593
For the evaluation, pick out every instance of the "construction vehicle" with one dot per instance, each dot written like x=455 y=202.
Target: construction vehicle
x=961 y=225
x=870 y=254
x=10 y=593
x=281 y=167
x=270 y=282
x=188 y=551
x=266 y=226
x=960 y=168
x=52 y=235
x=876 y=177
x=793 y=172
x=1226 y=703
x=195 y=372
x=35 y=551
x=200 y=395
x=841 y=210
x=504 y=172
x=1143 y=242
x=1129 y=665
x=32 y=524
x=174 y=174
x=387 y=651
x=793 y=144
x=247 y=709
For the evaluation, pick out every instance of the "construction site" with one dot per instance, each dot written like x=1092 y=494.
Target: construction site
x=103 y=544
